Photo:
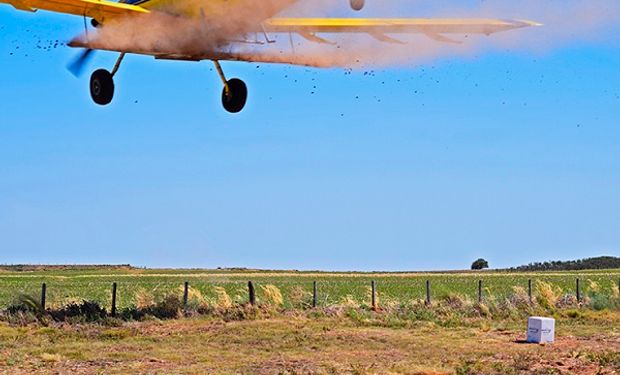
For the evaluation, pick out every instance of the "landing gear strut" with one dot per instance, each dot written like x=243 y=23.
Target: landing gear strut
x=102 y=83
x=234 y=93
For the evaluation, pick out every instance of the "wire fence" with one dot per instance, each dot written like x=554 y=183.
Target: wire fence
x=314 y=293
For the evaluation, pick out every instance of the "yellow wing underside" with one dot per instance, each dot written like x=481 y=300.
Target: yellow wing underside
x=98 y=9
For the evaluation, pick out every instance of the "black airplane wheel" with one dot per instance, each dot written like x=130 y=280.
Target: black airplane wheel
x=235 y=100
x=102 y=87
x=357 y=4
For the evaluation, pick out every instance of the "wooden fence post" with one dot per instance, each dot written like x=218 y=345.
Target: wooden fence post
x=113 y=312
x=314 y=294
x=479 y=291
x=578 y=291
x=373 y=289
x=529 y=289
x=185 y=294
x=428 y=292
x=43 y=292
x=252 y=293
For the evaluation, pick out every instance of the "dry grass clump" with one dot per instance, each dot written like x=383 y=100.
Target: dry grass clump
x=456 y=301
x=349 y=302
x=272 y=296
x=143 y=299
x=194 y=296
x=566 y=301
x=519 y=298
x=547 y=295
x=222 y=299
x=299 y=297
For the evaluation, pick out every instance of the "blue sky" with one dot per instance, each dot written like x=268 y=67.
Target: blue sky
x=510 y=155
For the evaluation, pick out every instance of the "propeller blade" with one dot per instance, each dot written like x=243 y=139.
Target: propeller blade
x=77 y=66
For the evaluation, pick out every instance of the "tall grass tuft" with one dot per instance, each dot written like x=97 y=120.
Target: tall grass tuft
x=222 y=299
x=143 y=299
x=547 y=295
x=272 y=295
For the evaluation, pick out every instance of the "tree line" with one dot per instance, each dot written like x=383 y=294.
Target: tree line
x=596 y=263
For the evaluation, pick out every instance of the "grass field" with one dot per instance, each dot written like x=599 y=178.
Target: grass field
x=69 y=285
x=299 y=344
x=456 y=335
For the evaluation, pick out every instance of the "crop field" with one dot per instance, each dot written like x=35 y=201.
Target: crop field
x=69 y=285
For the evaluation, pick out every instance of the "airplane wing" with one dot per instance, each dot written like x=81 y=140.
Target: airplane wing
x=97 y=9
x=378 y=26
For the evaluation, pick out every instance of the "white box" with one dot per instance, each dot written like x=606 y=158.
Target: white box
x=540 y=330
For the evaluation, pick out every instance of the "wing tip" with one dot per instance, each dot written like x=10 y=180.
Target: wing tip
x=528 y=23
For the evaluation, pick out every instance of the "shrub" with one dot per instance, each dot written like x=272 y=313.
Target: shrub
x=88 y=311
x=25 y=303
x=168 y=308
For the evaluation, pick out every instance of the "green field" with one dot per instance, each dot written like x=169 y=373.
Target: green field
x=95 y=284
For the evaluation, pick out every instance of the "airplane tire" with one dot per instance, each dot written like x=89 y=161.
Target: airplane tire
x=101 y=87
x=235 y=102
x=357 y=4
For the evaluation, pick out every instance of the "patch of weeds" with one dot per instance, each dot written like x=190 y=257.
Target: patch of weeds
x=168 y=308
x=115 y=334
x=358 y=316
x=574 y=314
x=466 y=368
x=605 y=359
x=51 y=357
x=300 y=298
x=240 y=312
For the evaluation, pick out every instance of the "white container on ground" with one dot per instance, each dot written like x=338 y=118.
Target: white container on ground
x=540 y=330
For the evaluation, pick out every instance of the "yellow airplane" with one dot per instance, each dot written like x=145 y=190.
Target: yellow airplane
x=195 y=30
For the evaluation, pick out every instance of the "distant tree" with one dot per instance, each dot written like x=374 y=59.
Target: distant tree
x=479 y=264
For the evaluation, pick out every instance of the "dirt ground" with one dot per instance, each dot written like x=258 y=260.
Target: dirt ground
x=303 y=345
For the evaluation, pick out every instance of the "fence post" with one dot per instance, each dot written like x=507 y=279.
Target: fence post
x=578 y=291
x=373 y=288
x=43 y=292
x=185 y=294
x=428 y=292
x=252 y=293
x=113 y=312
x=479 y=291
x=529 y=289
x=314 y=294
